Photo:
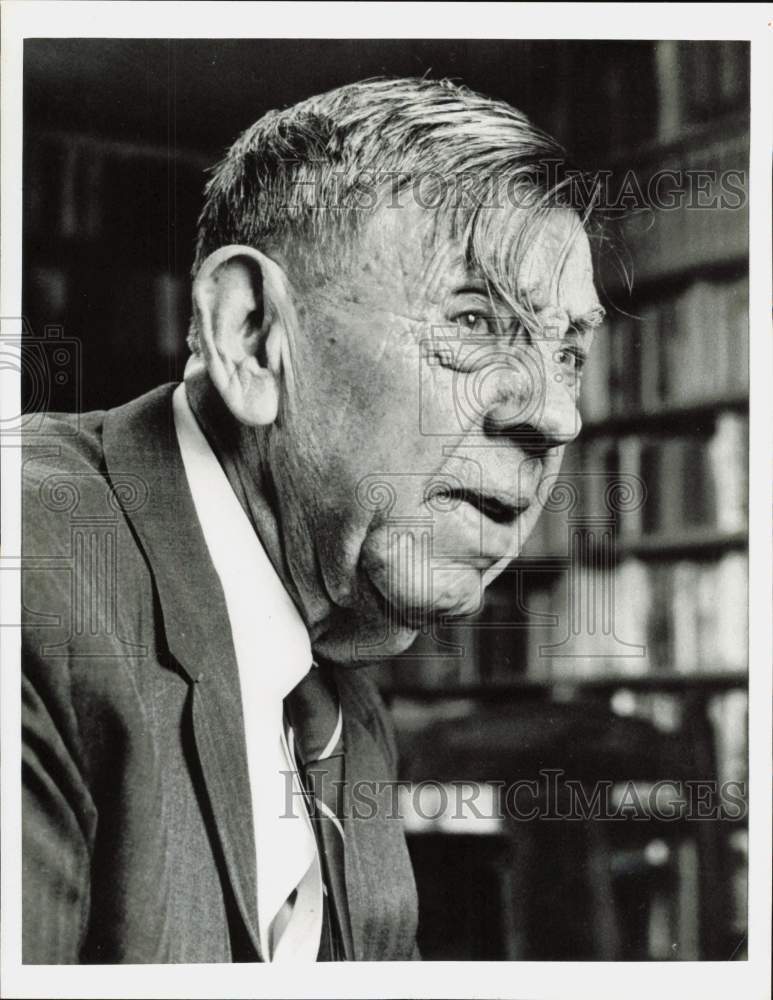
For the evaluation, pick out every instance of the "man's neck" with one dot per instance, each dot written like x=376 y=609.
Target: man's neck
x=241 y=452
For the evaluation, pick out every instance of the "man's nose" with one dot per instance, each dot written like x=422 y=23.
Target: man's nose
x=535 y=406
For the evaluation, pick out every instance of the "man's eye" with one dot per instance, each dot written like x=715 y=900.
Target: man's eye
x=570 y=357
x=474 y=324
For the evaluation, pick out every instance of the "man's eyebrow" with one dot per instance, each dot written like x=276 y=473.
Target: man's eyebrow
x=589 y=320
x=472 y=287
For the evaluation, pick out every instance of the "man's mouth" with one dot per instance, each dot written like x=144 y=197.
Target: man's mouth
x=498 y=508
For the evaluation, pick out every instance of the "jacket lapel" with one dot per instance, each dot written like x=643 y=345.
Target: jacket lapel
x=140 y=439
x=380 y=886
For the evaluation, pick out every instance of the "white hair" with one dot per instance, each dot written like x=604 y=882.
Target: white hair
x=318 y=169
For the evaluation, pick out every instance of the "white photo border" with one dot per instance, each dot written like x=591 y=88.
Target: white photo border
x=749 y=979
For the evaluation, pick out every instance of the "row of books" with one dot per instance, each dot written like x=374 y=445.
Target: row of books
x=694 y=483
x=683 y=213
x=684 y=617
x=686 y=349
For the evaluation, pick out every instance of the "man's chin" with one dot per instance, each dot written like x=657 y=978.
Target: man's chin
x=453 y=591
x=388 y=624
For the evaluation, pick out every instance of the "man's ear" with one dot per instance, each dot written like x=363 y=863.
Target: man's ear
x=240 y=298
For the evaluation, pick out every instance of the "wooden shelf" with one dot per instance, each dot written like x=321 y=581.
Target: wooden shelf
x=686 y=544
x=690 y=543
x=691 y=415
x=703 y=682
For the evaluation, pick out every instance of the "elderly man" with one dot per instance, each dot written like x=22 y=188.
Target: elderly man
x=392 y=301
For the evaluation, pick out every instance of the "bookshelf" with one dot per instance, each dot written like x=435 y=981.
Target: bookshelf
x=665 y=411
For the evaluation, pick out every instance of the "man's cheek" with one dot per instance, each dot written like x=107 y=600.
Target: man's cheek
x=398 y=560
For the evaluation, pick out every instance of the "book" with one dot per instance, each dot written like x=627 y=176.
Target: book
x=694 y=485
x=685 y=615
x=736 y=327
x=652 y=517
x=629 y=465
x=651 y=320
x=625 y=365
x=594 y=398
x=693 y=358
x=729 y=715
x=728 y=461
x=663 y=468
x=594 y=459
x=600 y=616
x=660 y=638
x=731 y=612
x=693 y=481
x=632 y=599
x=709 y=609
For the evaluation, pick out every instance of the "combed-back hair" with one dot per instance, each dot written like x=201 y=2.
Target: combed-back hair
x=309 y=174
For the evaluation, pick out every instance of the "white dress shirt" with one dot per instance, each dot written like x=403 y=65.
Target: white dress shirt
x=273 y=654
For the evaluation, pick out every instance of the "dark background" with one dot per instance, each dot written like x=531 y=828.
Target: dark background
x=117 y=138
x=118 y=134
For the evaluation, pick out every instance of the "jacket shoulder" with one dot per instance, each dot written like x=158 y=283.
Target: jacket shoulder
x=72 y=437
x=63 y=477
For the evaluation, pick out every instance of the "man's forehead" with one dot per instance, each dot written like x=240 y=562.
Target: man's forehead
x=557 y=262
x=427 y=252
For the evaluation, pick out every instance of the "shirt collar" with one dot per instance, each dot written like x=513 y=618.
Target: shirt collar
x=268 y=632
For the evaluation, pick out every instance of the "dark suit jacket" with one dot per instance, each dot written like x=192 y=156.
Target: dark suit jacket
x=138 y=840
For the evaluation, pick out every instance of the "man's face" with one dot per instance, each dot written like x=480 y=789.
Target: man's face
x=421 y=419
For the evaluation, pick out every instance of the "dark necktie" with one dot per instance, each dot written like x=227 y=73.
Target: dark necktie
x=313 y=712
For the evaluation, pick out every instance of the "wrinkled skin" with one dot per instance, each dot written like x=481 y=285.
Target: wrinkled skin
x=402 y=473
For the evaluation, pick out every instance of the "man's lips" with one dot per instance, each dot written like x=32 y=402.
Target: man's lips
x=499 y=507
